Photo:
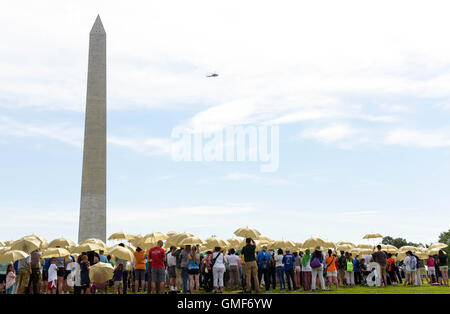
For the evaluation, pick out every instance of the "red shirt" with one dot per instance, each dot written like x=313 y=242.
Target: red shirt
x=157 y=255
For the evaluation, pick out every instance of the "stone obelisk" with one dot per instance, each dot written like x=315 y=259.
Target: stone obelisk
x=93 y=186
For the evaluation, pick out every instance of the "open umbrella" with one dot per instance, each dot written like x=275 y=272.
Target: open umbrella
x=344 y=247
x=176 y=239
x=95 y=241
x=407 y=248
x=55 y=252
x=156 y=236
x=365 y=246
x=122 y=253
x=233 y=242
x=171 y=233
x=101 y=272
x=121 y=236
x=247 y=233
x=282 y=244
x=372 y=236
x=434 y=251
x=43 y=242
x=86 y=247
x=438 y=246
x=2 y=243
x=12 y=256
x=391 y=249
x=213 y=242
x=61 y=242
x=192 y=241
x=345 y=242
x=311 y=243
x=26 y=244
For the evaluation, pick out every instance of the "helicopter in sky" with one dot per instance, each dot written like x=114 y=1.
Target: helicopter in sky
x=214 y=74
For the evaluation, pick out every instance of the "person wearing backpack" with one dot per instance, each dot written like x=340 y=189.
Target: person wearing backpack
x=316 y=264
x=342 y=264
x=263 y=258
x=330 y=265
x=349 y=275
x=410 y=269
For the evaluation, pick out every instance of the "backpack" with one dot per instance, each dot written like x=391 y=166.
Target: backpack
x=315 y=263
x=413 y=263
x=350 y=266
x=342 y=261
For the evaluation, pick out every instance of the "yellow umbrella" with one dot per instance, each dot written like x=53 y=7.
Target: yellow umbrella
x=213 y=242
x=122 y=253
x=86 y=247
x=247 y=233
x=43 y=242
x=55 y=252
x=264 y=238
x=344 y=247
x=434 y=251
x=345 y=242
x=12 y=256
x=191 y=241
x=5 y=249
x=365 y=246
x=2 y=243
x=233 y=242
x=95 y=241
x=176 y=239
x=171 y=233
x=311 y=243
x=9 y=242
x=372 y=236
x=121 y=236
x=438 y=246
x=61 y=242
x=355 y=251
x=282 y=244
x=391 y=249
x=407 y=248
x=101 y=272
x=156 y=236
x=26 y=244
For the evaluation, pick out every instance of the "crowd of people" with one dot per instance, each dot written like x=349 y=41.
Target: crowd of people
x=187 y=270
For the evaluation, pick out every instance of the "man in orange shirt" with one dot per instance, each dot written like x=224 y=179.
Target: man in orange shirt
x=139 y=269
x=330 y=264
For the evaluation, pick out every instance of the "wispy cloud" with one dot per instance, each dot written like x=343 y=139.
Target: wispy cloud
x=237 y=176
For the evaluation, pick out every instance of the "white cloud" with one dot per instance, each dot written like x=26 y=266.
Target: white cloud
x=332 y=133
x=419 y=138
x=149 y=146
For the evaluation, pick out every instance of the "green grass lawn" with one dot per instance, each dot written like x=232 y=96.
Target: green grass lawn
x=425 y=289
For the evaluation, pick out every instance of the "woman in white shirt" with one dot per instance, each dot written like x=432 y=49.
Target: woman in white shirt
x=233 y=261
x=219 y=261
x=279 y=268
x=410 y=273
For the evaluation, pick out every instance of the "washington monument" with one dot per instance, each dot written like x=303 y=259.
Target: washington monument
x=93 y=186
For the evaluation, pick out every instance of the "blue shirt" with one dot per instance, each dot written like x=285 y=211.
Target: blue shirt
x=356 y=265
x=263 y=259
x=288 y=261
x=103 y=258
x=16 y=267
x=46 y=263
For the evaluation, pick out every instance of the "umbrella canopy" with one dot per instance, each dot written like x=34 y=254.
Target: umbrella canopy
x=61 y=242
x=407 y=248
x=86 y=247
x=372 y=236
x=8 y=243
x=355 y=251
x=55 y=252
x=365 y=246
x=171 y=233
x=101 y=272
x=192 y=241
x=26 y=244
x=213 y=242
x=121 y=236
x=233 y=242
x=438 y=246
x=365 y=251
x=391 y=249
x=176 y=239
x=43 y=242
x=122 y=253
x=156 y=236
x=95 y=241
x=264 y=238
x=345 y=247
x=311 y=243
x=283 y=244
x=2 y=243
x=345 y=242
x=12 y=256
x=434 y=251
x=5 y=249
x=247 y=233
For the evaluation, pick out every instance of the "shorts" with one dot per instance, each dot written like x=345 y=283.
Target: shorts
x=158 y=274
x=139 y=274
x=443 y=269
x=297 y=269
x=2 y=278
x=118 y=285
x=66 y=273
x=172 y=272
x=422 y=271
x=410 y=272
x=194 y=271
x=332 y=273
x=61 y=272
x=52 y=284
x=24 y=278
x=178 y=272
x=383 y=271
x=85 y=287
x=431 y=271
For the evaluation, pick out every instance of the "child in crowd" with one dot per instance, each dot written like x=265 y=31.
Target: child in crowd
x=52 y=276
x=10 y=279
x=118 y=279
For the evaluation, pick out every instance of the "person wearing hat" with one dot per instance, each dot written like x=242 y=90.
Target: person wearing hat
x=317 y=259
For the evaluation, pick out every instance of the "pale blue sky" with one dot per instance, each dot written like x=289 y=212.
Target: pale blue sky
x=361 y=96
